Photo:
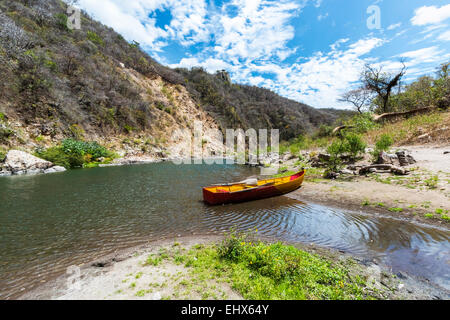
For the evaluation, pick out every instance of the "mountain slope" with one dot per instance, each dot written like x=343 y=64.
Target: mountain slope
x=92 y=84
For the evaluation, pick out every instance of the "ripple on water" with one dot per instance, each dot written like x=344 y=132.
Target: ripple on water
x=54 y=221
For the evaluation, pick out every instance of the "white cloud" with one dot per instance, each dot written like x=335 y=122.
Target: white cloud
x=430 y=15
x=132 y=20
x=211 y=64
x=444 y=36
x=260 y=30
x=322 y=16
x=394 y=26
x=321 y=79
x=424 y=55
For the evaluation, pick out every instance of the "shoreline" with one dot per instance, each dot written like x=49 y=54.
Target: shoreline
x=346 y=196
x=110 y=276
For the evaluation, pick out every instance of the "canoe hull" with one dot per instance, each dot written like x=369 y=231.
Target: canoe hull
x=214 y=198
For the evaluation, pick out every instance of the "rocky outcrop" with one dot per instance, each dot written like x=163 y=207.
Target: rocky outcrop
x=20 y=162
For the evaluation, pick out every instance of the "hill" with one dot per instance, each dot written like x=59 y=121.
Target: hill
x=93 y=84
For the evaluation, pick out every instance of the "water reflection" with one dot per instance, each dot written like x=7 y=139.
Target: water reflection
x=50 y=222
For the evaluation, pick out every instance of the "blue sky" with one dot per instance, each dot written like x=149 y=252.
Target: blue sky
x=311 y=51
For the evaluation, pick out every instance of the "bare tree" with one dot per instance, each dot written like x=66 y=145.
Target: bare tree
x=382 y=83
x=359 y=98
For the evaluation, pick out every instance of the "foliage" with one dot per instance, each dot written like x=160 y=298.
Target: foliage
x=83 y=148
x=3 y=154
x=74 y=153
x=61 y=21
x=335 y=150
x=424 y=92
x=95 y=38
x=355 y=146
x=362 y=123
x=276 y=271
x=383 y=143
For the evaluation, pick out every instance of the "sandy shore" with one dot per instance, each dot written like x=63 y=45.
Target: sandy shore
x=405 y=197
x=125 y=276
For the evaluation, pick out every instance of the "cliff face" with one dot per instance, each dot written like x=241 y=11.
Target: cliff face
x=92 y=84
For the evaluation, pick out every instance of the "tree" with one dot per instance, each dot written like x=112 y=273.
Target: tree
x=359 y=98
x=381 y=83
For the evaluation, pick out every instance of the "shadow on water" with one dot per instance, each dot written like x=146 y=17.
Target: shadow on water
x=50 y=222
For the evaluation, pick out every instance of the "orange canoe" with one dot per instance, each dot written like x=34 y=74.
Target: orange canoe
x=241 y=192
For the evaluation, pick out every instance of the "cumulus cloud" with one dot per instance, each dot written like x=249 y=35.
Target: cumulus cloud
x=132 y=19
x=430 y=15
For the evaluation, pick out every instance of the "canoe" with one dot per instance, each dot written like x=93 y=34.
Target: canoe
x=241 y=191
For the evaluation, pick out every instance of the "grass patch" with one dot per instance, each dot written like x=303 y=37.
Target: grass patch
x=273 y=271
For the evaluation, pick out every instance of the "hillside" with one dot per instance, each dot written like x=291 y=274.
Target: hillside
x=92 y=84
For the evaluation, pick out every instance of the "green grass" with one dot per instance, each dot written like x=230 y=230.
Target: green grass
x=273 y=271
x=395 y=209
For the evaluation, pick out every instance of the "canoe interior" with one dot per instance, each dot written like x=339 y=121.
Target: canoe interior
x=243 y=192
x=241 y=187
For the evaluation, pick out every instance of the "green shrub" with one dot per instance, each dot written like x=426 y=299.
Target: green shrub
x=3 y=153
x=354 y=145
x=362 y=122
x=384 y=143
x=60 y=158
x=335 y=150
x=95 y=38
x=61 y=21
x=74 y=154
x=82 y=148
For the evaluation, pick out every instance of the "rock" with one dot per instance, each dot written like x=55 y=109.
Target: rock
x=446 y=152
x=404 y=158
x=346 y=171
x=59 y=169
x=324 y=157
x=399 y=171
x=5 y=173
x=332 y=175
x=424 y=137
x=384 y=158
x=156 y=296
x=18 y=161
x=34 y=171
x=55 y=169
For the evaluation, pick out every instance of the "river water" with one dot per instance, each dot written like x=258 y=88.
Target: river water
x=49 y=222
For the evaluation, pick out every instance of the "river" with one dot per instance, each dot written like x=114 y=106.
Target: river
x=49 y=222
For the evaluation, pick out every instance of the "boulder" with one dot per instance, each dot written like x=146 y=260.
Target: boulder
x=55 y=169
x=19 y=161
x=404 y=158
x=384 y=158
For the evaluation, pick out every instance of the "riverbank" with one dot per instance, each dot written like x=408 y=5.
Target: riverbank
x=191 y=268
x=421 y=196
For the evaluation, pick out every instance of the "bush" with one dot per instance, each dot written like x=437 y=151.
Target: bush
x=362 y=122
x=335 y=150
x=57 y=156
x=82 y=148
x=382 y=144
x=74 y=153
x=95 y=38
x=3 y=153
x=354 y=145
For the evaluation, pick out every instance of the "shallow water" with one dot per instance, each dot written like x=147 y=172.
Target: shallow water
x=50 y=222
